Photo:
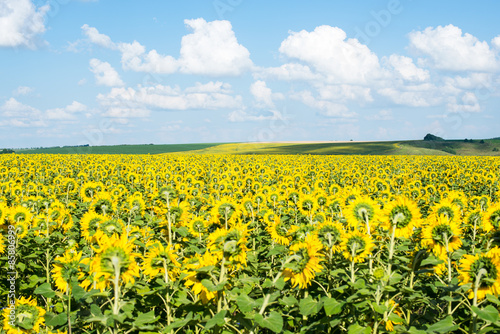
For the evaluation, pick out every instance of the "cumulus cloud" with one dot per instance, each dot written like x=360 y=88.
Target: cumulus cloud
x=104 y=73
x=243 y=116
x=447 y=48
x=467 y=103
x=382 y=115
x=287 y=72
x=18 y=114
x=326 y=108
x=404 y=68
x=22 y=90
x=211 y=49
x=422 y=95
x=67 y=113
x=263 y=95
x=97 y=38
x=130 y=102
x=495 y=42
x=135 y=58
x=327 y=50
x=21 y=23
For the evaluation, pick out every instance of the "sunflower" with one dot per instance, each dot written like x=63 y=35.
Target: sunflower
x=89 y=224
x=26 y=317
x=471 y=265
x=307 y=204
x=230 y=244
x=446 y=208
x=362 y=212
x=279 y=231
x=403 y=213
x=135 y=204
x=492 y=218
x=356 y=246
x=161 y=260
x=89 y=190
x=114 y=255
x=330 y=235
x=304 y=262
x=21 y=217
x=196 y=272
x=110 y=227
x=67 y=267
x=225 y=210
x=437 y=233
x=103 y=203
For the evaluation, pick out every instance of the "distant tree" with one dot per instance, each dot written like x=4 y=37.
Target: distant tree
x=429 y=137
x=495 y=149
x=481 y=142
x=6 y=151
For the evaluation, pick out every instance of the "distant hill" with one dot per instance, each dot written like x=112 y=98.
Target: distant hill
x=429 y=137
x=486 y=147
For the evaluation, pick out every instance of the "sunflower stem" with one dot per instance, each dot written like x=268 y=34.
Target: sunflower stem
x=448 y=255
x=474 y=236
x=391 y=249
x=169 y=220
x=370 y=257
x=353 y=253
x=167 y=303
x=477 y=284
x=116 y=282
x=69 y=310
x=221 y=279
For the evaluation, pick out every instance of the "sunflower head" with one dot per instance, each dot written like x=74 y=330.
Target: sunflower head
x=483 y=267
x=25 y=318
x=356 y=246
x=303 y=262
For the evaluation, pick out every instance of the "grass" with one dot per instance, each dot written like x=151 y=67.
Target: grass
x=410 y=147
x=118 y=149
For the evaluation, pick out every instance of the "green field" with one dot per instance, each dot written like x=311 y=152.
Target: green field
x=118 y=149
x=411 y=147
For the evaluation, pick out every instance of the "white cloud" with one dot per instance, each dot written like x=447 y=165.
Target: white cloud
x=21 y=23
x=495 y=42
x=382 y=115
x=423 y=95
x=98 y=38
x=129 y=102
x=211 y=49
x=468 y=103
x=263 y=95
x=328 y=51
x=344 y=93
x=287 y=72
x=326 y=108
x=243 y=116
x=22 y=90
x=135 y=58
x=104 y=73
x=18 y=114
x=404 y=68
x=447 y=49
x=67 y=113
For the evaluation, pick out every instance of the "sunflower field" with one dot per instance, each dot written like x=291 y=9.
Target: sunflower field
x=249 y=244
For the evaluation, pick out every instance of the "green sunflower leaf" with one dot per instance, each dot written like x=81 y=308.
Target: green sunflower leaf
x=45 y=290
x=273 y=322
x=489 y=313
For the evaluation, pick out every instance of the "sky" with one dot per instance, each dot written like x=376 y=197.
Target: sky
x=109 y=72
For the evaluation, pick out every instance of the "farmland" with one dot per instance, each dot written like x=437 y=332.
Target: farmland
x=250 y=244
x=487 y=147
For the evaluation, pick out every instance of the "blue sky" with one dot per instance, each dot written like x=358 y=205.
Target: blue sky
x=108 y=72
